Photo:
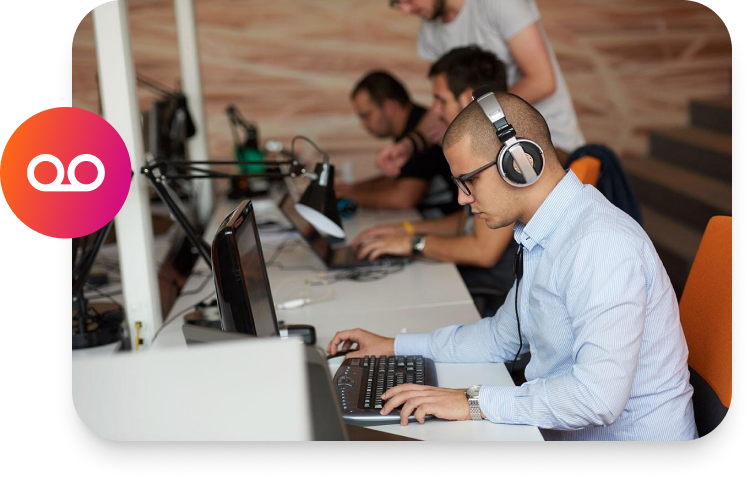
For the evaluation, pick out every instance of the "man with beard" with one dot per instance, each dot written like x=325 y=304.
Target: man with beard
x=424 y=181
x=483 y=256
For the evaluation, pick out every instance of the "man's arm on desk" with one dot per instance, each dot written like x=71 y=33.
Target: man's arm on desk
x=369 y=185
x=402 y=193
x=483 y=248
x=449 y=225
x=369 y=344
x=488 y=340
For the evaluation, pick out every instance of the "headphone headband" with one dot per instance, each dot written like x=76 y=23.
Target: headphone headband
x=492 y=108
x=507 y=135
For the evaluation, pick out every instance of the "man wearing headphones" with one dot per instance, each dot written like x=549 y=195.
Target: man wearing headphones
x=512 y=30
x=484 y=256
x=592 y=302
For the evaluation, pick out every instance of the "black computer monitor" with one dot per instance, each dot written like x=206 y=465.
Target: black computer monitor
x=243 y=293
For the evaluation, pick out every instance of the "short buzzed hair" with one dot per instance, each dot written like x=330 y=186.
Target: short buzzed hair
x=382 y=86
x=526 y=120
x=470 y=68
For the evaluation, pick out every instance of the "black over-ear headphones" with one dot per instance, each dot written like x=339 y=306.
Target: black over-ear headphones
x=520 y=162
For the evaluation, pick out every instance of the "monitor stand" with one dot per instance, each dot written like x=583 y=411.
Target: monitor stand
x=207 y=316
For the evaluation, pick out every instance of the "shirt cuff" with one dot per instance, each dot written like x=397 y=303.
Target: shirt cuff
x=412 y=345
x=497 y=403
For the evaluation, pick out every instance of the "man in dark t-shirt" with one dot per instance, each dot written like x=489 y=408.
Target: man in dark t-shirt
x=386 y=111
x=484 y=256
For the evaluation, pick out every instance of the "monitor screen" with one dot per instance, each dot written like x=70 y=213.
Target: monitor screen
x=243 y=293
x=318 y=243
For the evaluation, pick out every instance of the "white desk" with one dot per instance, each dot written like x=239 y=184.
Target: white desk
x=422 y=297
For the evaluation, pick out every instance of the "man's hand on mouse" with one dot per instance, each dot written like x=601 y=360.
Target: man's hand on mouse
x=369 y=344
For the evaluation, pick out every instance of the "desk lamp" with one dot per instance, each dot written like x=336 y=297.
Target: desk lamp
x=318 y=204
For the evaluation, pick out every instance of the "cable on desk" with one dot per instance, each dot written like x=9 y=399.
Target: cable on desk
x=181 y=313
x=304 y=297
x=278 y=250
x=104 y=295
x=272 y=262
x=199 y=288
x=362 y=274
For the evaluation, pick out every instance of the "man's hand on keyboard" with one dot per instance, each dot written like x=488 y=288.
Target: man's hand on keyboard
x=441 y=402
x=385 y=230
x=396 y=245
x=369 y=344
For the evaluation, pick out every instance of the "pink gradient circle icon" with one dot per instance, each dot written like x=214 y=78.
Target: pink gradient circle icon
x=65 y=172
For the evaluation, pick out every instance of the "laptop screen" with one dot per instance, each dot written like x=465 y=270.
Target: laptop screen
x=318 y=243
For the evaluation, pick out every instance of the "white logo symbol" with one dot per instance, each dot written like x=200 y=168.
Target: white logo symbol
x=57 y=184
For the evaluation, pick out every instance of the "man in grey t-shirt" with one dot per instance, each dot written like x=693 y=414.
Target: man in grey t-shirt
x=510 y=29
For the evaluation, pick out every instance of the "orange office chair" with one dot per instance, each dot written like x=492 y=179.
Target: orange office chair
x=705 y=309
x=587 y=169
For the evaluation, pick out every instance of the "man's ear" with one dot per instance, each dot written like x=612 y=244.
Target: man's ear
x=466 y=97
x=390 y=107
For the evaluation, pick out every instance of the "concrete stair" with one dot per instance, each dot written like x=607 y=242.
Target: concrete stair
x=712 y=114
x=685 y=181
x=705 y=151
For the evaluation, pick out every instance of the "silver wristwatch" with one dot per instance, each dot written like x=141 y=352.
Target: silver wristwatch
x=472 y=394
x=418 y=244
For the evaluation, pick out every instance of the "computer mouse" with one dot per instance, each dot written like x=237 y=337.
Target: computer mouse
x=347 y=208
x=340 y=353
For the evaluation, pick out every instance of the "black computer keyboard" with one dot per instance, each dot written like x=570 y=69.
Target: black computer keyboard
x=360 y=383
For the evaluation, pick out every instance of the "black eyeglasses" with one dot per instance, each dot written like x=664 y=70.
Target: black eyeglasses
x=460 y=181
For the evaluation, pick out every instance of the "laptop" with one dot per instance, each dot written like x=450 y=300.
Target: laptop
x=342 y=257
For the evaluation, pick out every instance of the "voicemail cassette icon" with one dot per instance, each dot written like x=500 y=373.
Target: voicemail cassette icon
x=57 y=185
x=53 y=172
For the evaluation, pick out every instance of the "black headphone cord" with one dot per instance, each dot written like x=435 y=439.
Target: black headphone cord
x=518 y=275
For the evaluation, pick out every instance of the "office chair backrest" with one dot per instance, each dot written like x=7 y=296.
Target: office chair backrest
x=705 y=309
x=587 y=169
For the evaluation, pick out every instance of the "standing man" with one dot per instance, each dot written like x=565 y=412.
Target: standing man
x=424 y=181
x=511 y=29
x=592 y=303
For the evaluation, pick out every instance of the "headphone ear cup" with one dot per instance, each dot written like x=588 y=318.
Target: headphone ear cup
x=506 y=167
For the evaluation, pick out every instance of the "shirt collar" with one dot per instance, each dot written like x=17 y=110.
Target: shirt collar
x=548 y=215
x=413 y=118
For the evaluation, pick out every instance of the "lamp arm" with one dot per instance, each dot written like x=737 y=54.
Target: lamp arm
x=194 y=237
x=295 y=169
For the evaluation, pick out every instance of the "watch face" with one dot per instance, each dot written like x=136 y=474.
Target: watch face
x=473 y=391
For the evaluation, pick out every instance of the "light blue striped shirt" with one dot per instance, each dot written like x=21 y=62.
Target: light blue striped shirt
x=600 y=319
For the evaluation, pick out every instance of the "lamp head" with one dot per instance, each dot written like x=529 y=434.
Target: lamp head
x=318 y=204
